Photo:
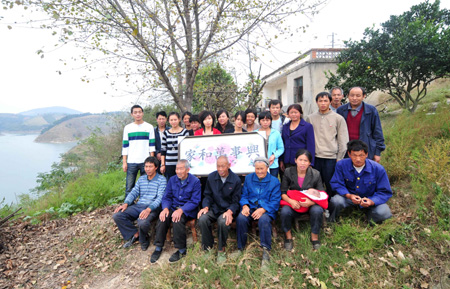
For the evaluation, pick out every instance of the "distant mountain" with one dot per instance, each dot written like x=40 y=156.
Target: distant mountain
x=50 y=110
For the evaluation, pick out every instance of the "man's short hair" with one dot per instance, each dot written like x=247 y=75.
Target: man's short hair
x=362 y=89
x=357 y=145
x=185 y=163
x=162 y=112
x=136 y=106
x=152 y=160
x=322 y=94
x=337 y=87
x=275 y=102
x=223 y=157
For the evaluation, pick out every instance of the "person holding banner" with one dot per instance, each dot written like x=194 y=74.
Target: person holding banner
x=207 y=120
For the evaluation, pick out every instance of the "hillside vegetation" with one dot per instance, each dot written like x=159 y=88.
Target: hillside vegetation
x=411 y=250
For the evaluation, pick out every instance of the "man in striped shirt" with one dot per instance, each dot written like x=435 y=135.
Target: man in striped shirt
x=150 y=190
x=138 y=143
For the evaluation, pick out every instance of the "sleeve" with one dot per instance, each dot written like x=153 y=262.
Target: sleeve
x=160 y=193
x=125 y=143
x=338 y=180
x=319 y=183
x=164 y=144
x=378 y=133
x=285 y=183
x=157 y=142
x=244 y=195
x=207 y=194
x=279 y=145
x=310 y=142
x=133 y=194
x=343 y=137
x=272 y=203
x=236 y=197
x=196 y=196
x=383 y=191
x=166 y=202
x=151 y=139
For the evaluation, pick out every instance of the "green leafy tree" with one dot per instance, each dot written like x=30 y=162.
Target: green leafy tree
x=214 y=89
x=402 y=58
x=167 y=40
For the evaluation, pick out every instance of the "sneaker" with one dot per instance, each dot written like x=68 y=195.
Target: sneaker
x=176 y=256
x=130 y=242
x=265 y=259
x=155 y=256
x=221 y=257
x=288 y=244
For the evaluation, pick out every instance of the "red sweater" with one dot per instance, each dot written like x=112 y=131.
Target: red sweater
x=353 y=124
x=200 y=131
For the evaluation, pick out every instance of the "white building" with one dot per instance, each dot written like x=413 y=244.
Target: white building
x=300 y=80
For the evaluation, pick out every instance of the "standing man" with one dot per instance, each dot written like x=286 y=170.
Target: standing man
x=363 y=122
x=179 y=205
x=331 y=138
x=161 y=120
x=278 y=118
x=337 y=94
x=360 y=183
x=138 y=143
x=150 y=190
x=221 y=205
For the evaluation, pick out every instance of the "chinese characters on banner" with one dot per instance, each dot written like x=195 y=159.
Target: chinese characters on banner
x=203 y=151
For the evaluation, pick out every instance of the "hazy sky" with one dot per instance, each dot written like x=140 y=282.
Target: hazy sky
x=28 y=81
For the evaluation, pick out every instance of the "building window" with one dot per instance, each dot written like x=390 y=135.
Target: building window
x=279 y=94
x=298 y=90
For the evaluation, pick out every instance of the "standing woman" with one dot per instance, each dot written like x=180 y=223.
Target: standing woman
x=169 y=145
x=239 y=119
x=297 y=134
x=250 y=118
x=275 y=147
x=186 y=118
x=207 y=120
x=223 y=122
x=301 y=177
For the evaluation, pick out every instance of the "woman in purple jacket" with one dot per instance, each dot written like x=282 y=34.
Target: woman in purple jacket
x=297 y=134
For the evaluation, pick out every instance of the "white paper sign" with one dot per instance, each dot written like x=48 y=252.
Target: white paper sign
x=203 y=151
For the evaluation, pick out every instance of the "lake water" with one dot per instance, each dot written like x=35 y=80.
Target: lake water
x=22 y=160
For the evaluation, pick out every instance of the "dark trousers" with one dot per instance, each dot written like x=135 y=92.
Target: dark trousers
x=375 y=214
x=170 y=171
x=326 y=168
x=132 y=171
x=265 y=230
x=274 y=172
x=125 y=222
x=179 y=231
x=205 y=223
x=315 y=218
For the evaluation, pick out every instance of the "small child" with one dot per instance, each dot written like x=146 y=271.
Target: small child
x=318 y=197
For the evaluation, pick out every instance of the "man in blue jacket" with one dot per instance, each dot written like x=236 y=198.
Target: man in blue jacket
x=150 y=190
x=260 y=201
x=220 y=204
x=360 y=183
x=363 y=122
x=179 y=205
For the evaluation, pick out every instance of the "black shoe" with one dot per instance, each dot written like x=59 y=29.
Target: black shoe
x=130 y=242
x=288 y=244
x=144 y=246
x=176 y=256
x=155 y=256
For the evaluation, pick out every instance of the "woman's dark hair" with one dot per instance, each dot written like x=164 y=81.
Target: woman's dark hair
x=263 y=115
x=250 y=110
x=203 y=115
x=240 y=113
x=186 y=113
x=228 y=126
x=295 y=106
x=305 y=152
x=174 y=113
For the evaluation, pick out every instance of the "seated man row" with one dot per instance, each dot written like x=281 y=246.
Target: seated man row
x=358 y=181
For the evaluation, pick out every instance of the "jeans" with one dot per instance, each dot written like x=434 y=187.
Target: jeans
x=125 y=219
x=375 y=214
x=205 y=223
x=179 y=231
x=265 y=230
x=132 y=172
x=315 y=218
x=274 y=172
x=326 y=168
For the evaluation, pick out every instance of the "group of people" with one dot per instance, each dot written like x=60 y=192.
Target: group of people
x=330 y=161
